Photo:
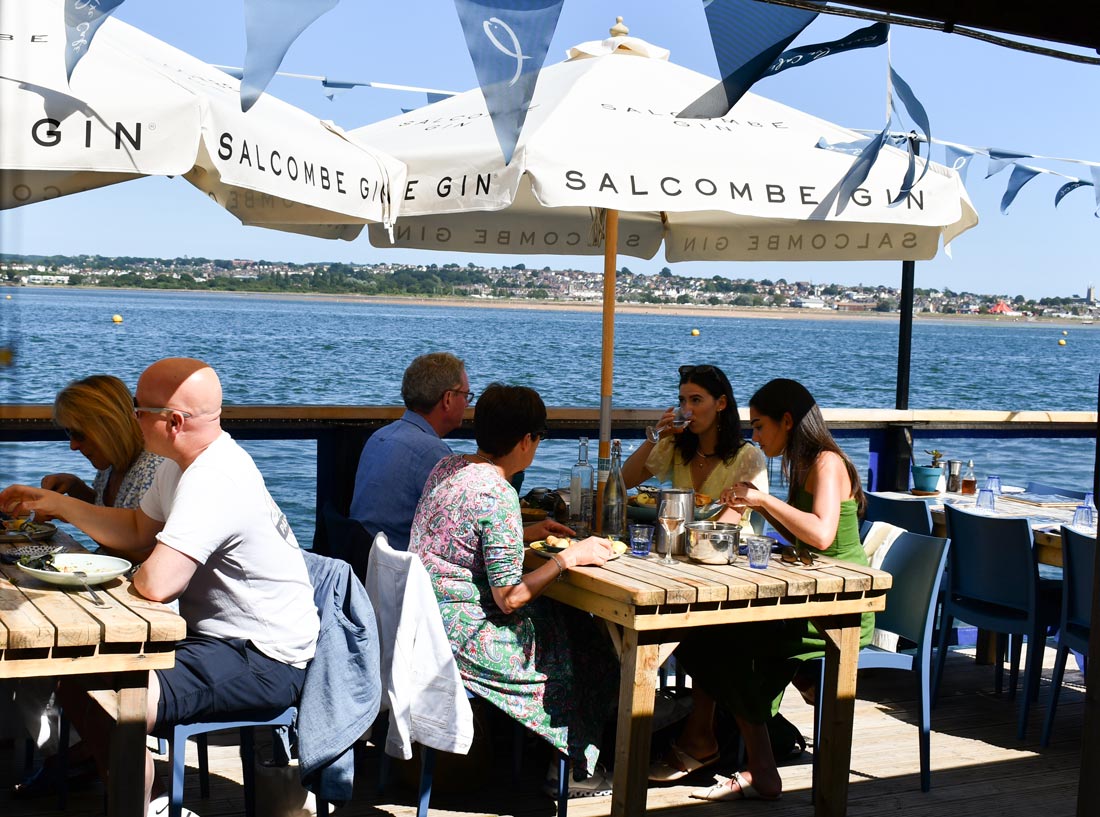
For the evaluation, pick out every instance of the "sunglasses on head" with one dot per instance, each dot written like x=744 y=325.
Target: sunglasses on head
x=74 y=435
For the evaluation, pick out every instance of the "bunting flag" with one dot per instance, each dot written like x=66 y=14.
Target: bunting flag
x=958 y=158
x=870 y=36
x=1000 y=159
x=82 y=19
x=867 y=151
x=748 y=36
x=1021 y=175
x=508 y=41
x=271 y=27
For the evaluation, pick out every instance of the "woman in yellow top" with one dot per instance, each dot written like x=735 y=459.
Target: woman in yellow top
x=711 y=454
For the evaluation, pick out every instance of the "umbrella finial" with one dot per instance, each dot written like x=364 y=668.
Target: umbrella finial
x=619 y=30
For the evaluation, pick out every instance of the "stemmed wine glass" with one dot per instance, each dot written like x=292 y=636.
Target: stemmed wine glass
x=681 y=419
x=670 y=516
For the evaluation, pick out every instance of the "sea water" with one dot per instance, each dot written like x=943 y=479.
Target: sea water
x=333 y=351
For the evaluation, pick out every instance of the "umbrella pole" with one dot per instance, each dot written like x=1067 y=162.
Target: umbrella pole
x=607 y=364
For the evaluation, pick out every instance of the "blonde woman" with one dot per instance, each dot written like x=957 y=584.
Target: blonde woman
x=97 y=415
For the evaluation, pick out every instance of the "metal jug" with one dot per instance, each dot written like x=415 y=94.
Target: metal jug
x=685 y=498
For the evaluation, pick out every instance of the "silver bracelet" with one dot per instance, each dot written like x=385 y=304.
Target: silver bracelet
x=561 y=567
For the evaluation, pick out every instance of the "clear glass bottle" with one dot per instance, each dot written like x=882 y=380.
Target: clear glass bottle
x=969 y=480
x=614 y=497
x=581 y=485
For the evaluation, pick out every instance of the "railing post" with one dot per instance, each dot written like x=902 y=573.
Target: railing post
x=338 y=451
x=889 y=453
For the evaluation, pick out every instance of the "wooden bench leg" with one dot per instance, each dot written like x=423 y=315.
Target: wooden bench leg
x=834 y=745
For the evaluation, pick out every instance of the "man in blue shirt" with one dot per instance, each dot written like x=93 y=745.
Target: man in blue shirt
x=398 y=458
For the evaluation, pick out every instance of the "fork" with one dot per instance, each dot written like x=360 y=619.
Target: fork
x=80 y=574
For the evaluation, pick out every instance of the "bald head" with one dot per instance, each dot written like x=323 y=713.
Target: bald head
x=182 y=383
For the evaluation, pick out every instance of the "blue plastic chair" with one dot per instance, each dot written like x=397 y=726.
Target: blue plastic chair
x=916 y=562
x=177 y=751
x=1042 y=488
x=1078 y=560
x=427 y=771
x=993 y=583
x=911 y=514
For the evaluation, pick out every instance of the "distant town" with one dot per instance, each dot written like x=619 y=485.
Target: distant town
x=519 y=281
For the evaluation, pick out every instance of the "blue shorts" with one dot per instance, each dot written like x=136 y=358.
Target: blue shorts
x=214 y=678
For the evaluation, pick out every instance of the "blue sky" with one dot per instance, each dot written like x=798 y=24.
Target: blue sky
x=975 y=93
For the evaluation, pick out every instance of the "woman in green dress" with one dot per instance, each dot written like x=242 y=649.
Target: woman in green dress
x=821 y=513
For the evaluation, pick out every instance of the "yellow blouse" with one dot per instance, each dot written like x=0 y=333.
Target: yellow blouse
x=747 y=465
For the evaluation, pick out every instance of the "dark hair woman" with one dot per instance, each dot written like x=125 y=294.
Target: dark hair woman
x=821 y=513
x=710 y=454
x=523 y=654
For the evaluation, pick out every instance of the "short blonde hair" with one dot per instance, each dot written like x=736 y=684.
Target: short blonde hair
x=101 y=408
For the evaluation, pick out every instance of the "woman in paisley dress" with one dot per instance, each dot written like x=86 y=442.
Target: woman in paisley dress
x=547 y=666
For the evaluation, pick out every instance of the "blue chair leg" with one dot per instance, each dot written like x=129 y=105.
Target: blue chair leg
x=1055 y=691
x=1016 y=651
x=941 y=655
x=1036 y=644
x=924 y=697
x=177 y=750
x=1000 y=648
x=563 y=784
x=427 y=770
x=204 y=765
x=248 y=770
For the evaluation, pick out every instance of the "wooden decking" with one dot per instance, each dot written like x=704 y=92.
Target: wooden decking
x=978 y=766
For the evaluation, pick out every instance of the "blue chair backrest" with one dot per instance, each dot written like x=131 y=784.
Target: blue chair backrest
x=992 y=559
x=916 y=562
x=912 y=515
x=1078 y=561
x=1042 y=488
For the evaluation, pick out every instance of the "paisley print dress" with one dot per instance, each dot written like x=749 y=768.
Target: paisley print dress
x=468 y=533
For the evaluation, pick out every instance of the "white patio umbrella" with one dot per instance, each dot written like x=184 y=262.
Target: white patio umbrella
x=138 y=107
x=604 y=165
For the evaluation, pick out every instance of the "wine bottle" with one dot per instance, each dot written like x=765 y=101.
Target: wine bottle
x=614 y=497
x=580 y=492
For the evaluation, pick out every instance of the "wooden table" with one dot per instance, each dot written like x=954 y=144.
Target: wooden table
x=648 y=606
x=48 y=631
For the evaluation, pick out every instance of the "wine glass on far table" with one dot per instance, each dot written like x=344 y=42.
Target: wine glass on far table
x=670 y=516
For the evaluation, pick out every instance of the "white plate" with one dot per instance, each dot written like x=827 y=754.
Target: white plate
x=99 y=569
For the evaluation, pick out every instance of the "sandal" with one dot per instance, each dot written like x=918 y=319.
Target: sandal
x=678 y=764
x=722 y=790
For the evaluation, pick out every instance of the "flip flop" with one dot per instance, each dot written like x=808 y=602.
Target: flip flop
x=722 y=791
x=661 y=771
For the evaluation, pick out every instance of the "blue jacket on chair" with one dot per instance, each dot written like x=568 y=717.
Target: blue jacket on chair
x=343 y=686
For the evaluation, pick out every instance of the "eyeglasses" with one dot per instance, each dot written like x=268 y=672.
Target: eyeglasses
x=74 y=435
x=160 y=410
x=469 y=395
x=540 y=434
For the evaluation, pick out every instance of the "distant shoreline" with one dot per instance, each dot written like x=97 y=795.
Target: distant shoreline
x=683 y=310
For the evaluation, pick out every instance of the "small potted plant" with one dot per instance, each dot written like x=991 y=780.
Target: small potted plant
x=927 y=477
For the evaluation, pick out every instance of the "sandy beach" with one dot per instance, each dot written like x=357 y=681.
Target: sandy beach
x=684 y=310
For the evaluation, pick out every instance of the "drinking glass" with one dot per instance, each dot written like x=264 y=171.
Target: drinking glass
x=986 y=499
x=1090 y=501
x=759 y=550
x=670 y=516
x=1084 y=517
x=681 y=419
x=641 y=540
x=993 y=483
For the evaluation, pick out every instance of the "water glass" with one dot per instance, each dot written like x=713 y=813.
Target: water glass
x=1084 y=517
x=1089 y=500
x=641 y=540
x=993 y=483
x=986 y=499
x=759 y=550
